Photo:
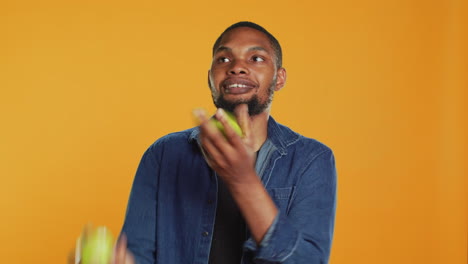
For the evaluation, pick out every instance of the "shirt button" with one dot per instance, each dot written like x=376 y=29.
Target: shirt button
x=205 y=233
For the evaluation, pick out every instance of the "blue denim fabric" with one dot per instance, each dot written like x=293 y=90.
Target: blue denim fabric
x=172 y=206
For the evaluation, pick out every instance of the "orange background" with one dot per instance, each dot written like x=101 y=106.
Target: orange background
x=87 y=86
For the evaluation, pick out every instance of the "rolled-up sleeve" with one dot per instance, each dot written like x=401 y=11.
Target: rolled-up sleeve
x=303 y=234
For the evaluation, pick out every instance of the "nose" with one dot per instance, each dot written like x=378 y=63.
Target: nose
x=237 y=68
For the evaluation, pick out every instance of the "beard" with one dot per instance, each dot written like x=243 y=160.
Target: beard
x=254 y=105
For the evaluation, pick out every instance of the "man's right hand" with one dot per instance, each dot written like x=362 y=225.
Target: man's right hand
x=121 y=254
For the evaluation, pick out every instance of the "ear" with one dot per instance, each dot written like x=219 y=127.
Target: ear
x=280 y=78
x=208 y=79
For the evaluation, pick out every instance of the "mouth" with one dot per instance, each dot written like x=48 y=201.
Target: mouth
x=237 y=86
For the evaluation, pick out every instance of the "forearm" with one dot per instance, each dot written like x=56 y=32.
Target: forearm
x=256 y=206
x=302 y=232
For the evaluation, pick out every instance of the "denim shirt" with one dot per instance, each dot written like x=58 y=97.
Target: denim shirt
x=172 y=206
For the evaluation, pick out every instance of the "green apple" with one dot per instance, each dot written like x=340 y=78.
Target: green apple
x=97 y=246
x=232 y=121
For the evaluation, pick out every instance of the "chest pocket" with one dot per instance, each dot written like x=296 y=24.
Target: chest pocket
x=281 y=197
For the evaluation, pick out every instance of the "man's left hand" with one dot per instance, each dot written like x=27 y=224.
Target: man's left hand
x=230 y=155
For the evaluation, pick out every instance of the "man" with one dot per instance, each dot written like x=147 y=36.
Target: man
x=205 y=196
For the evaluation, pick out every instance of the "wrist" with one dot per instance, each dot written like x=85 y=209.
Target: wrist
x=243 y=184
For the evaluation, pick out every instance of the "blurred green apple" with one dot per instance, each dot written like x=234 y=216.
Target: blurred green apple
x=97 y=246
x=232 y=121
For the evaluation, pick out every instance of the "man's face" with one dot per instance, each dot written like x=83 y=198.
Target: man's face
x=244 y=70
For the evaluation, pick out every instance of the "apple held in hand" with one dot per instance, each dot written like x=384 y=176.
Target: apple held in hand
x=97 y=246
x=232 y=121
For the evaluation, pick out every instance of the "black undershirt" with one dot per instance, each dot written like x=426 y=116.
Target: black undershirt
x=229 y=231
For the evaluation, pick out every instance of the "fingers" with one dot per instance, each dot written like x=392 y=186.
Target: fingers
x=242 y=115
x=222 y=151
x=129 y=259
x=230 y=133
x=214 y=147
x=120 y=251
x=207 y=127
x=71 y=258
x=75 y=256
x=212 y=140
x=200 y=115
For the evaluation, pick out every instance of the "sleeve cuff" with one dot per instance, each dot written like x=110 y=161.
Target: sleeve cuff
x=278 y=244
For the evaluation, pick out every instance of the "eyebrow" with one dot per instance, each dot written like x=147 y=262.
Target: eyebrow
x=224 y=48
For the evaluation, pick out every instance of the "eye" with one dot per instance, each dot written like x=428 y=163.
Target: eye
x=257 y=58
x=223 y=59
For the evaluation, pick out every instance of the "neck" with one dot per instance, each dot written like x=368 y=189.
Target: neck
x=259 y=128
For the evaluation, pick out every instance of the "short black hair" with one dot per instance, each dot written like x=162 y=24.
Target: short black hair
x=273 y=41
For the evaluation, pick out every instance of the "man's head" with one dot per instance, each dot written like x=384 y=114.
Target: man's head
x=246 y=68
x=273 y=41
